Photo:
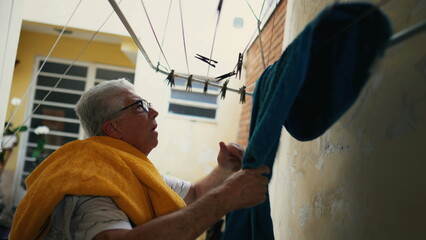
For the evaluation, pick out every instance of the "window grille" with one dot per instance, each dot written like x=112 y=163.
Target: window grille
x=195 y=103
x=57 y=111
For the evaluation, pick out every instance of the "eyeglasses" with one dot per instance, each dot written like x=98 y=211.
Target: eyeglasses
x=143 y=103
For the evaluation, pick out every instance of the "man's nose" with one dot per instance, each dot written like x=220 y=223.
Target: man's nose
x=152 y=113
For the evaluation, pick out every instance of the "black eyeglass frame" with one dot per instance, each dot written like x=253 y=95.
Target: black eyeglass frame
x=144 y=103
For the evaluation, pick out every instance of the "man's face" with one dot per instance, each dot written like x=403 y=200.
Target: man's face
x=136 y=126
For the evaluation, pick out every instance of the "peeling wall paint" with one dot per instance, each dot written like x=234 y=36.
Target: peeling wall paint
x=305 y=213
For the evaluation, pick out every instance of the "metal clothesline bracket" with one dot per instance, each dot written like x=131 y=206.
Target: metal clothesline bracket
x=195 y=78
x=395 y=39
x=407 y=33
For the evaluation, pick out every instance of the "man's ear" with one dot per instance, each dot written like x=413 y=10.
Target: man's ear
x=109 y=128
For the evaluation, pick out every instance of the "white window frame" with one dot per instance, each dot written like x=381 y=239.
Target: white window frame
x=212 y=92
x=90 y=80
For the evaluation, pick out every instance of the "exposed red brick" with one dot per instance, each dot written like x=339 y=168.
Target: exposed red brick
x=272 y=38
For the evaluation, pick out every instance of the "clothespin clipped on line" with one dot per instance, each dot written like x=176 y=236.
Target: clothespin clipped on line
x=223 y=90
x=239 y=65
x=242 y=91
x=219 y=6
x=206 y=86
x=158 y=67
x=171 y=79
x=189 y=84
x=206 y=60
x=227 y=75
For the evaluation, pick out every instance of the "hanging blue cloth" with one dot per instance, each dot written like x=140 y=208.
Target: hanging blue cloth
x=317 y=78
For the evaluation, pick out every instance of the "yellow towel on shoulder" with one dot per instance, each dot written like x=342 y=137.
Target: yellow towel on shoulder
x=98 y=166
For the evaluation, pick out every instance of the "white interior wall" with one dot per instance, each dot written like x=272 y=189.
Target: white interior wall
x=10 y=17
x=187 y=148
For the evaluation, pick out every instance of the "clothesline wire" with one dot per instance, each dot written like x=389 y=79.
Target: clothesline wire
x=32 y=83
x=250 y=41
x=396 y=38
x=165 y=29
x=139 y=45
x=261 y=45
x=261 y=9
x=155 y=35
x=407 y=33
x=200 y=79
x=196 y=78
x=63 y=75
x=399 y=36
x=259 y=30
x=346 y=27
x=252 y=11
x=245 y=49
x=183 y=36
x=4 y=56
x=214 y=39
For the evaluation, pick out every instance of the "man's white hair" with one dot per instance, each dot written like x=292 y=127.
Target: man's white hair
x=101 y=103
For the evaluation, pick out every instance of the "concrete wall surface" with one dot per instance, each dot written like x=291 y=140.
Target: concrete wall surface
x=364 y=178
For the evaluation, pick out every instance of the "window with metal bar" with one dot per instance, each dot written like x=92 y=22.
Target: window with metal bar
x=57 y=110
x=195 y=103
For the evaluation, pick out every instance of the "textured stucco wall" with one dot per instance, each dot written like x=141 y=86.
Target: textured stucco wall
x=364 y=178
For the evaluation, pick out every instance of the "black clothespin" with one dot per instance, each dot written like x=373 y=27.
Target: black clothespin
x=171 y=79
x=223 y=90
x=189 y=83
x=219 y=7
x=158 y=67
x=239 y=65
x=242 y=94
x=206 y=60
x=227 y=75
x=206 y=86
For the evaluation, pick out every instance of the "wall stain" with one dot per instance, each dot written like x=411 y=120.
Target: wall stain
x=421 y=67
x=330 y=148
x=305 y=213
x=368 y=147
x=329 y=203
x=406 y=121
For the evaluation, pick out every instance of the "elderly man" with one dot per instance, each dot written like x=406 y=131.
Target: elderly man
x=105 y=187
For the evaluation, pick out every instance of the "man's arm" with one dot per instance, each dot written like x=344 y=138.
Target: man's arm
x=229 y=162
x=243 y=189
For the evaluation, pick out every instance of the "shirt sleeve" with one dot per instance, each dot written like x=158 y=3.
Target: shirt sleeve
x=179 y=186
x=94 y=215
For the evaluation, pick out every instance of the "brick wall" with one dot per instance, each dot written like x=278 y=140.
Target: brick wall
x=272 y=41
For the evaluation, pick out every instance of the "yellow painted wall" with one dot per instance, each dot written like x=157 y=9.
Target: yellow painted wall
x=365 y=177
x=34 y=44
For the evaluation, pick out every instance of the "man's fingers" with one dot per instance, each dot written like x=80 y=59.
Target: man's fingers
x=236 y=150
x=222 y=145
x=223 y=148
